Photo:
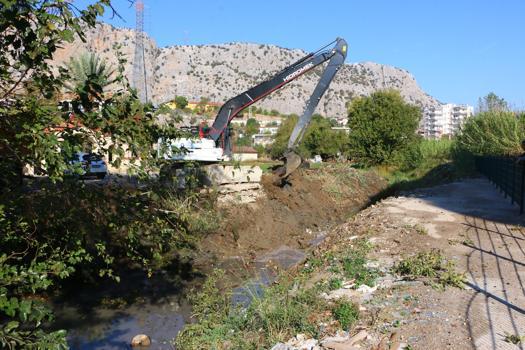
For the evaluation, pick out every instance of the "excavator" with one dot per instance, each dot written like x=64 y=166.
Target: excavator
x=214 y=145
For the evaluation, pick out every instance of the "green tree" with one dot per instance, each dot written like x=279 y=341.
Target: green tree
x=492 y=103
x=46 y=235
x=382 y=127
x=319 y=138
x=280 y=143
x=323 y=140
x=181 y=102
x=252 y=127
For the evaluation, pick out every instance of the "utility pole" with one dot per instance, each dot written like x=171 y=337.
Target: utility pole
x=140 y=81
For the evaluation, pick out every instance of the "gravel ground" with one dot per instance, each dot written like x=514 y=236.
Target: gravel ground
x=473 y=225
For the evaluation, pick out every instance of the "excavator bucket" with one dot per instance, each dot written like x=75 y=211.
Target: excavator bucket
x=291 y=163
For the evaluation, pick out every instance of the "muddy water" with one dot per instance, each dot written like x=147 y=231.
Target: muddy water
x=113 y=329
x=161 y=313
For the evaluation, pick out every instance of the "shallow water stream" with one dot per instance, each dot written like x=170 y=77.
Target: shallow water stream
x=159 y=312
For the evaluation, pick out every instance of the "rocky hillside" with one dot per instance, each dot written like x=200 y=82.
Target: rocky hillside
x=220 y=72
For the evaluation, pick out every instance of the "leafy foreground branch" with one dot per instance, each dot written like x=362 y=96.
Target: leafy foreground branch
x=56 y=229
x=90 y=233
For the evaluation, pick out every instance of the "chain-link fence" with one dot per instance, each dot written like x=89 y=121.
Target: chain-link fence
x=507 y=173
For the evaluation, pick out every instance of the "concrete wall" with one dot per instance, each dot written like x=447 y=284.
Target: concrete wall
x=241 y=157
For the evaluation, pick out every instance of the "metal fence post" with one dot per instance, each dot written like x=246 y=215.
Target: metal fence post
x=522 y=189
x=513 y=189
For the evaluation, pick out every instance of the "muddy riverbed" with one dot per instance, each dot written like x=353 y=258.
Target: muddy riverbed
x=109 y=317
x=253 y=243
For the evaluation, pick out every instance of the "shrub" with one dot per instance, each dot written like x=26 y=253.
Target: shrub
x=492 y=133
x=90 y=232
x=49 y=232
x=431 y=265
x=319 y=138
x=382 y=126
x=354 y=266
x=181 y=102
x=346 y=312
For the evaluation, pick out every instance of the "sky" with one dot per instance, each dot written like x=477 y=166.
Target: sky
x=457 y=50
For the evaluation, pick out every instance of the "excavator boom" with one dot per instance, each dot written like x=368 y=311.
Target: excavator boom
x=219 y=131
x=335 y=56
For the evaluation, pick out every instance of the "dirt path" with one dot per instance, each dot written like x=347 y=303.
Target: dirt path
x=474 y=225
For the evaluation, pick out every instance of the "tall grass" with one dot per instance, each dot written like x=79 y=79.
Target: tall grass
x=439 y=161
x=293 y=305
x=436 y=150
x=493 y=133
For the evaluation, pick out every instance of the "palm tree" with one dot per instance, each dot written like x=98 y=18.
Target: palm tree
x=89 y=76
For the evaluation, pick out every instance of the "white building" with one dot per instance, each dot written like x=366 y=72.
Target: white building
x=262 y=139
x=272 y=130
x=444 y=120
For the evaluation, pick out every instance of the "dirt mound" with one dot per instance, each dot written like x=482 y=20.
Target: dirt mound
x=294 y=215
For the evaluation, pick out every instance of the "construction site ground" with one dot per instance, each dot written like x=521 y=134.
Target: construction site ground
x=472 y=224
x=469 y=221
x=293 y=216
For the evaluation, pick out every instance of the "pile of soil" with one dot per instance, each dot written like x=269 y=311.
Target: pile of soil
x=295 y=215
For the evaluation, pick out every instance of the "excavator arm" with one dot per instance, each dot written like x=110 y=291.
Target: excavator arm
x=219 y=131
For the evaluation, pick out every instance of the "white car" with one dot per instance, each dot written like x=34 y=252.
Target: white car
x=92 y=164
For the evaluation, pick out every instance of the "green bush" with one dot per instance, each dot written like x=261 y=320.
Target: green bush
x=411 y=157
x=181 y=102
x=424 y=155
x=354 y=265
x=319 y=138
x=492 y=133
x=440 y=150
x=432 y=265
x=382 y=128
x=346 y=312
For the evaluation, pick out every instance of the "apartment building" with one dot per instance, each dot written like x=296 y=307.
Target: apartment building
x=444 y=120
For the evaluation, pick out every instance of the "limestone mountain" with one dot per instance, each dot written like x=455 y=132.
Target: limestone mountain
x=220 y=72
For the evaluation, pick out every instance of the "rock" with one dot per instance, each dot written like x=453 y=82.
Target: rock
x=140 y=340
x=344 y=343
x=339 y=346
x=309 y=344
x=281 y=346
x=300 y=342
x=359 y=337
x=233 y=188
x=342 y=293
x=398 y=346
x=209 y=70
x=218 y=174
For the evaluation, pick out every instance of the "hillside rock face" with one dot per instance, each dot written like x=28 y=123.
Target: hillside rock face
x=220 y=72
